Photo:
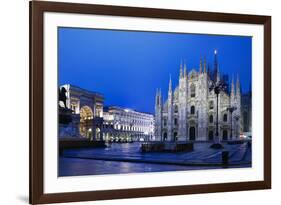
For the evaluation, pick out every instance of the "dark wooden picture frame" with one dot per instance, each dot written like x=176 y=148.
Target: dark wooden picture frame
x=37 y=9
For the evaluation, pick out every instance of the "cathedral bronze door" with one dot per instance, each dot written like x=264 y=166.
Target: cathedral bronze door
x=192 y=133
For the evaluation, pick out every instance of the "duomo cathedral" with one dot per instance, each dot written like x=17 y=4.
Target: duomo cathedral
x=190 y=112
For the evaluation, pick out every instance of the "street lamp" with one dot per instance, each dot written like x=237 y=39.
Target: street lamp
x=231 y=110
x=237 y=118
x=218 y=86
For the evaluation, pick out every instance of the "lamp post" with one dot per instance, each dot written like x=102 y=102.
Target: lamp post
x=231 y=110
x=218 y=86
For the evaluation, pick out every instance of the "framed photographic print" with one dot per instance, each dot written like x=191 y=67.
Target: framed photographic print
x=139 y=102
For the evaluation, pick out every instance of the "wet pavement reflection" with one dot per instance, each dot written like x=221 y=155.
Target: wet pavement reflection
x=120 y=158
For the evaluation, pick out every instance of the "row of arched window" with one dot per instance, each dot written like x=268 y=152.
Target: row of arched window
x=192 y=108
x=211 y=117
x=175 y=121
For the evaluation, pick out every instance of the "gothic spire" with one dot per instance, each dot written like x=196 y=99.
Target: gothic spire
x=232 y=87
x=200 y=66
x=209 y=71
x=181 y=69
x=160 y=97
x=238 y=86
x=170 y=84
x=156 y=97
x=185 y=70
x=205 y=71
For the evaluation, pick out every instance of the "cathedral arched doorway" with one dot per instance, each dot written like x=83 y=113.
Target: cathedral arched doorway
x=211 y=135
x=224 y=135
x=86 y=122
x=192 y=133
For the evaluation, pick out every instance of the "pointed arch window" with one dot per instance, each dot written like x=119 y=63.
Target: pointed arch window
x=225 y=117
x=192 y=91
x=192 y=110
x=211 y=105
x=211 y=119
x=165 y=122
x=176 y=110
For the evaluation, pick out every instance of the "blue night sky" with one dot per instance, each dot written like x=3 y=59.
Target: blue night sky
x=128 y=66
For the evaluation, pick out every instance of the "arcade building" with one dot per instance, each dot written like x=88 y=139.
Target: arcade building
x=91 y=120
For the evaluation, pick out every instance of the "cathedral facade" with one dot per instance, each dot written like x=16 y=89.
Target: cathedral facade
x=190 y=112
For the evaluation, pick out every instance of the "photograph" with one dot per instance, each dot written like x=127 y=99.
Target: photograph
x=146 y=101
x=130 y=102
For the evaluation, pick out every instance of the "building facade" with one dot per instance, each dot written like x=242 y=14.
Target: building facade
x=190 y=113
x=122 y=124
x=87 y=113
x=90 y=119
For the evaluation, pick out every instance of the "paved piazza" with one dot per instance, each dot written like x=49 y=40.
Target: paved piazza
x=120 y=158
